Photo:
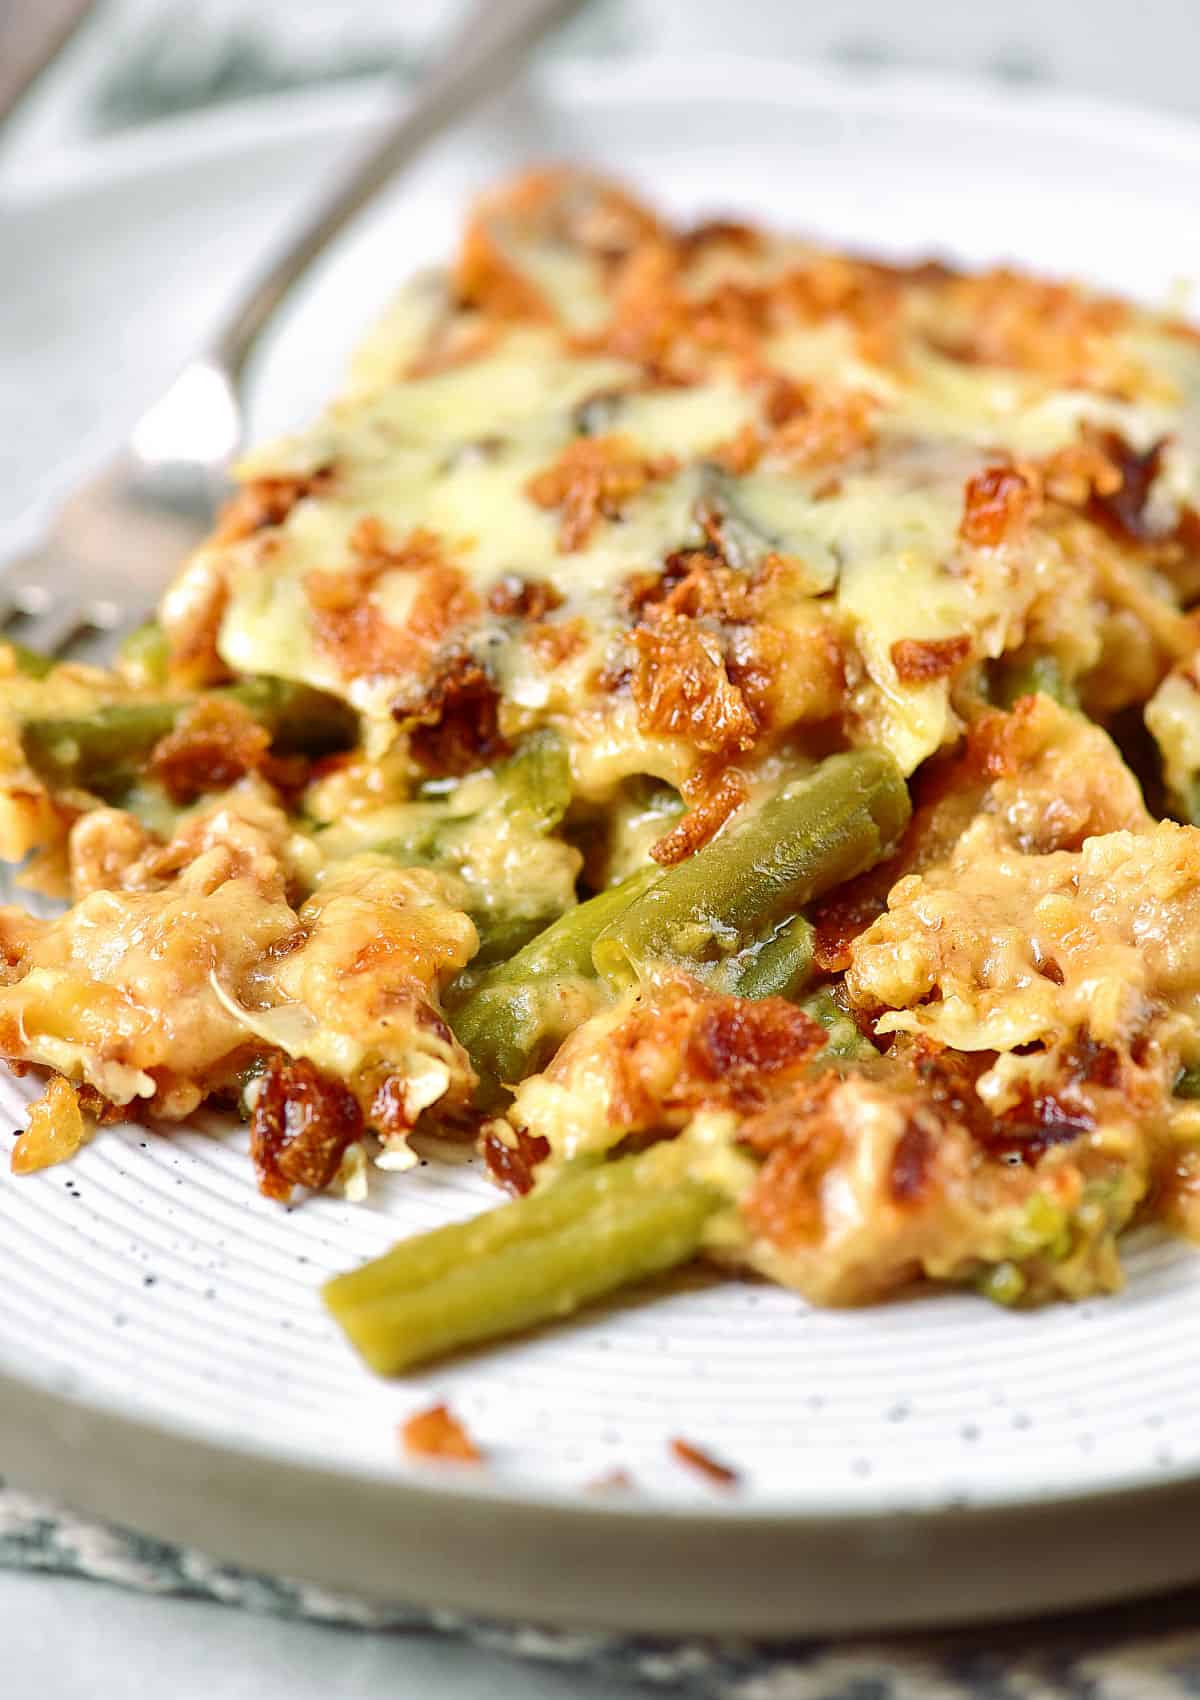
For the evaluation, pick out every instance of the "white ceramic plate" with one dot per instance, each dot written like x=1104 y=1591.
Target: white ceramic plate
x=164 y=1357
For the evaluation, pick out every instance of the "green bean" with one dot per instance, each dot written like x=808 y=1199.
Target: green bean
x=30 y=661
x=533 y=789
x=535 y=781
x=780 y=967
x=143 y=655
x=301 y=719
x=532 y=792
x=844 y=1041
x=503 y=932
x=105 y=750
x=434 y=1255
x=535 y=794
x=810 y=836
x=632 y=1230
x=101 y=751
x=147 y=801
x=420 y=843
x=598 y=413
x=544 y=1281
x=1012 y=679
x=513 y=1018
x=1187 y=1082
x=1003 y=1283
x=744 y=543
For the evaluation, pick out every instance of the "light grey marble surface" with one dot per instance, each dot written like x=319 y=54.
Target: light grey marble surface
x=72 y=1640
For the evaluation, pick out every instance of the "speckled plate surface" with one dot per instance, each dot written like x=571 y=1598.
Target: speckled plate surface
x=163 y=1356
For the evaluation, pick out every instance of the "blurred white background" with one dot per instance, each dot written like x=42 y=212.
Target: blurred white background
x=135 y=60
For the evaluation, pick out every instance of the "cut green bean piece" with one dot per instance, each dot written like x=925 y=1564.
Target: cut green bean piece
x=104 y=751
x=634 y=1229
x=544 y=1281
x=302 y=720
x=31 y=662
x=144 y=655
x=810 y=836
x=780 y=967
x=419 y=844
x=513 y=1018
x=462 y=826
x=745 y=544
x=440 y=1252
x=149 y=803
x=101 y=752
x=844 y=1039
x=1012 y=679
x=502 y=933
x=532 y=788
x=535 y=781
x=1187 y=1083
x=1003 y=1283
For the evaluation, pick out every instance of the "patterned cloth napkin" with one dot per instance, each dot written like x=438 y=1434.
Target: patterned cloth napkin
x=1128 y=1652
x=138 y=60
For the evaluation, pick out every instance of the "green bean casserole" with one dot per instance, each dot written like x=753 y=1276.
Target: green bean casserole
x=712 y=722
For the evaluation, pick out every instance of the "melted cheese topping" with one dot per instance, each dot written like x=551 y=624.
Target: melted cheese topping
x=165 y=981
x=995 y=950
x=471 y=389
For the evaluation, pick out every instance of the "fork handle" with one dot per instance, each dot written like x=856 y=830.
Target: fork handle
x=486 y=49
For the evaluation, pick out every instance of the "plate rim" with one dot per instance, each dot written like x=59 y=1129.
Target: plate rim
x=945 y=1565
x=35 y=1413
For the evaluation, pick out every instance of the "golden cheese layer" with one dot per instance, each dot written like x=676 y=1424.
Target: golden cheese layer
x=909 y=473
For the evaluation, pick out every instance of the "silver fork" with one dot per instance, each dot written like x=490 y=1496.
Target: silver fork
x=112 y=546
